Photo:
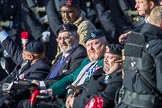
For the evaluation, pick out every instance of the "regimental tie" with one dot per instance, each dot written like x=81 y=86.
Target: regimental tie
x=86 y=72
x=58 y=66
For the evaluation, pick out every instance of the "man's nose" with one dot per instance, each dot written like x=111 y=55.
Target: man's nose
x=66 y=16
x=62 y=40
x=91 y=47
x=136 y=6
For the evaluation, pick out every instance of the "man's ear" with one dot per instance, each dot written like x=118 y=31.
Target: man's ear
x=31 y=56
x=152 y=5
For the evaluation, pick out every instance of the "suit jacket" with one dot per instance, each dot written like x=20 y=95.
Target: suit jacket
x=38 y=70
x=73 y=61
x=99 y=86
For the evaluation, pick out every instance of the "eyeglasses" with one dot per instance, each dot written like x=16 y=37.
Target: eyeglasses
x=67 y=12
x=64 y=38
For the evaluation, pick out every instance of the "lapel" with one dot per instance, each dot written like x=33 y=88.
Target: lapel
x=56 y=61
x=54 y=64
x=65 y=66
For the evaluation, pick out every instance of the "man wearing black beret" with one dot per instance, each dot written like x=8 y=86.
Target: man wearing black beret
x=38 y=65
x=71 y=12
x=34 y=52
x=103 y=83
x=95 y=47
x=71 y=56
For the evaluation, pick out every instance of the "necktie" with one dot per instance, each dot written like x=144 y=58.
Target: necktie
x=56 y=69
x=82 y=75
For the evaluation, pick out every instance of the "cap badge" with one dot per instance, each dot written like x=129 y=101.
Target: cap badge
x=64 y=28
x=93 y=35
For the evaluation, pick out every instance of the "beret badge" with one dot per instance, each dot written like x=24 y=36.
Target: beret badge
x=93 y=35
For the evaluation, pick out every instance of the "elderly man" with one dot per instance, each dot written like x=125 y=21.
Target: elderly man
x=72 y=53
x=103 y=83
x=71 y=12
x=34 y=52
x=142 y=66
x=38 y=65
x=95 y=46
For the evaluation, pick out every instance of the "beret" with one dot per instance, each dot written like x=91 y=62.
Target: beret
x=69 y=3
x=115 y=49
x=66 y=27
x=35 y=47
x=94 y=35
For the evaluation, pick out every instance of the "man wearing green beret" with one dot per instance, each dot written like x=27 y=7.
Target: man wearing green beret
x=95 y=47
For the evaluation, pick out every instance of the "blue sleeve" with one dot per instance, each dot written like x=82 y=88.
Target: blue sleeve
x=3 y=35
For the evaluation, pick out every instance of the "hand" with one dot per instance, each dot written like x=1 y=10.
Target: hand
x=69 y=101
x=48 y=91
x=21 y=76
x=36 y=82
x=123 y=37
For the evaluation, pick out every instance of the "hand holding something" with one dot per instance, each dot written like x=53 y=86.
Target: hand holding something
x=36 y=82
x=48 y=91
x=21 y=76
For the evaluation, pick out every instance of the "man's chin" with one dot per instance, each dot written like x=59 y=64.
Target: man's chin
x=106 y=69
x=93 y=58
x=66 y=49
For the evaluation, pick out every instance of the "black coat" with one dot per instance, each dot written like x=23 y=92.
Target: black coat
x=30 y=22
x=97 y=86
x=54 y=21
x=133 y=81
x=73 y=62
x=154 y=50
x=10 y=10
x=38 y=70
x=112 y=18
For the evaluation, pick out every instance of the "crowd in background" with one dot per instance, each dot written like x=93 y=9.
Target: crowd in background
x=60 y=37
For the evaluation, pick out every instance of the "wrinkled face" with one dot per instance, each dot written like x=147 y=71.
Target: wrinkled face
x=95 y=49
x=69 y=14
x=144 y=7
x=110 y=65
x=66 y=41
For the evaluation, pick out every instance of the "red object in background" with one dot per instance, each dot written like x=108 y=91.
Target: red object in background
x=24 y=37
x=68 y=2
x=96 y=102
x=33 y=98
